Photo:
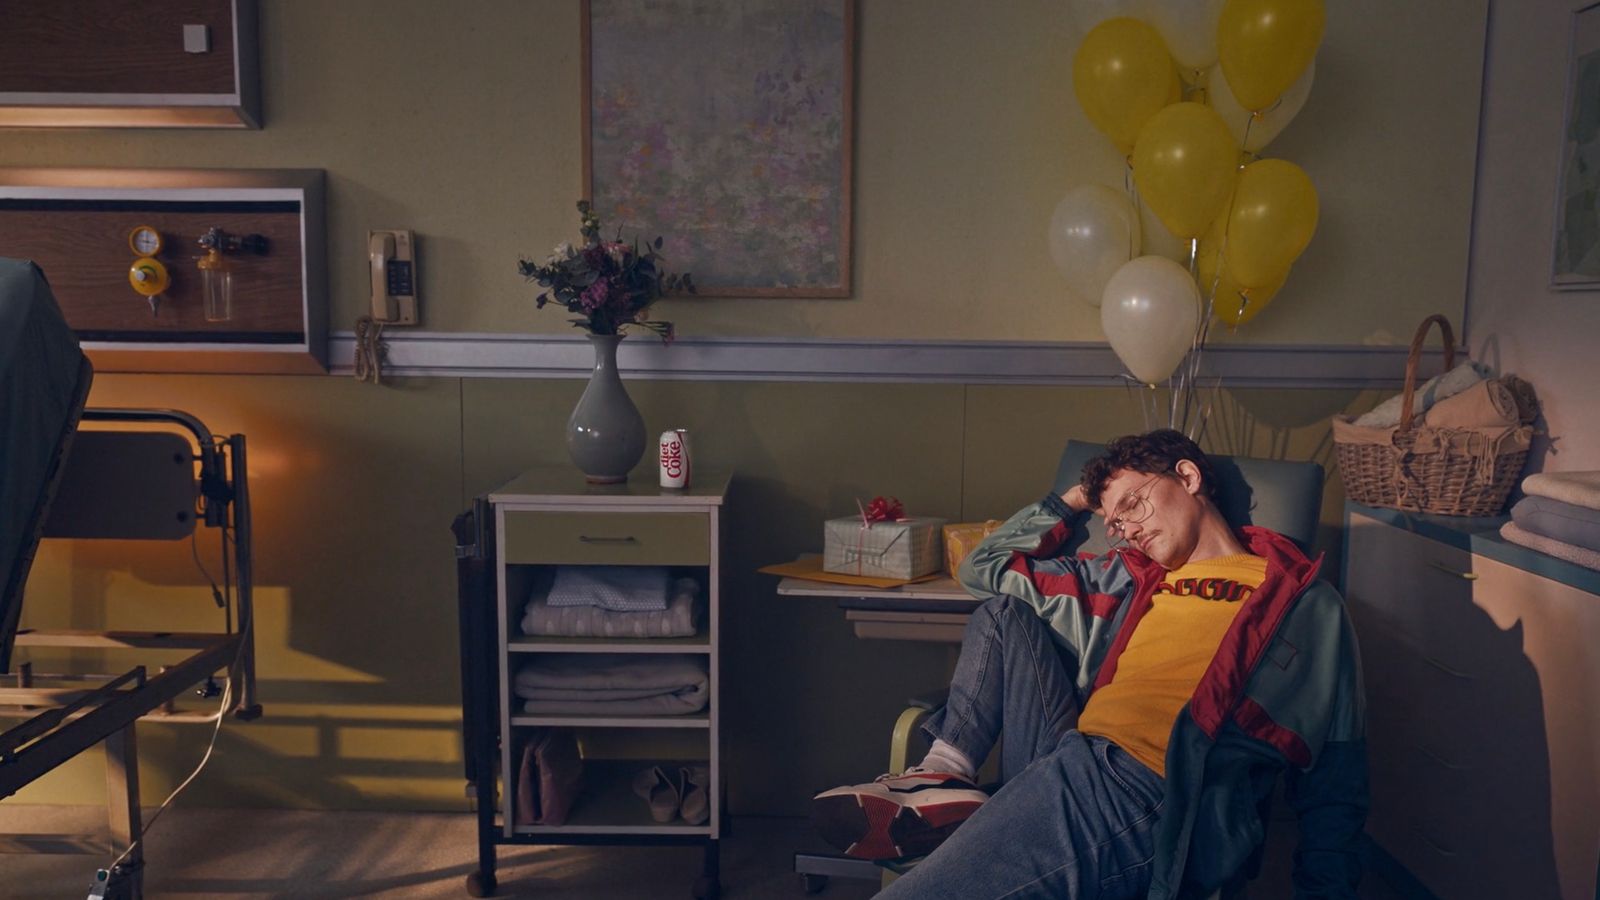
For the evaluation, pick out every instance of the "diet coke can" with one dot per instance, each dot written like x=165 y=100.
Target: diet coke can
x=675 y=465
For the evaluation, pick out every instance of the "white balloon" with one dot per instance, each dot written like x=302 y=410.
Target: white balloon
x=1273 y=118
x=1190 y=29
x=1093 y=231
x=1086 y=14
x=1150 y=313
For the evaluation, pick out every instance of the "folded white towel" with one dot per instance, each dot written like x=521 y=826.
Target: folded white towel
x=1577 y=488
x=613 y=684
x=617 y=588
x=626 y=674
x=1582 y=556
x=691 y=699
x=681 y=618
x=1387 y=413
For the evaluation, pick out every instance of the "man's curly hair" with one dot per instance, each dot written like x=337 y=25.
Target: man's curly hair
x=1154 y=453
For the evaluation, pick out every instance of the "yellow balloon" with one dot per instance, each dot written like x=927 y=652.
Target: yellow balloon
x=1271 y=220
x=1265 y=45
x=1122 y=76
x=1232 y=303
x=1183 y=164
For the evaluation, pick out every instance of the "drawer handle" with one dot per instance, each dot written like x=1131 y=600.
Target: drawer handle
x=584 y=538
x=1445 y=669
x=1437 y=758
x=1442 y=851
x=1469 y=576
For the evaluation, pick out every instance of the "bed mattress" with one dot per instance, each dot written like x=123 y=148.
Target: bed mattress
x=43 y=380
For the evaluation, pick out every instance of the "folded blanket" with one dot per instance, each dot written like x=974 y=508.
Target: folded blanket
x=1575 y=525
x=675 y=704
x=1487 y=404
x=681 y=618
x=618 y=588
x=1589 y=559
x=1577 y=488
x=1387 y=413
x=613 y=683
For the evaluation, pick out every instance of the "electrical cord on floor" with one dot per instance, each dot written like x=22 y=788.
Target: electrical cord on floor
x=222 y=713
x=369 y=350
x=224 y=598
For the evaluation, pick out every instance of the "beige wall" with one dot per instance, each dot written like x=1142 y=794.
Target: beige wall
x=1515 y=322
x=460 y=121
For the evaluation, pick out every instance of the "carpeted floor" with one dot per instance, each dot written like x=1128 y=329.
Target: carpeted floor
x=287 y=853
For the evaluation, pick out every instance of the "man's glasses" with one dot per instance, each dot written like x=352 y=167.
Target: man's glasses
x=1133 y=508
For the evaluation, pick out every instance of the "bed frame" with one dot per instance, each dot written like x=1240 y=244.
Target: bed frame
x=127 y=484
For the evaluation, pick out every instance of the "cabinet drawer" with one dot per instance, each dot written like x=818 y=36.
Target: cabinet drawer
x=620 y=539
x=1418 y=590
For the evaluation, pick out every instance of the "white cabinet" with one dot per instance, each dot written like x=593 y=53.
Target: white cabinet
x=548 y=518
x=1482 y=669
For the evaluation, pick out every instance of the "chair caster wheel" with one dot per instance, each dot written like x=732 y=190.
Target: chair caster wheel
x=480 y=885
x=814 y=883
x=706 y=888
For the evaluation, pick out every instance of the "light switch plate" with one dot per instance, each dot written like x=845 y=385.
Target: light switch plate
x=197 y=39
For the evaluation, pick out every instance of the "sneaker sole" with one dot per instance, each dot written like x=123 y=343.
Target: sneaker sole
x=867 y=826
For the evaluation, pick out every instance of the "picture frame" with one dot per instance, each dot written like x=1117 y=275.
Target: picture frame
x=1575 y=257
x=726 y=127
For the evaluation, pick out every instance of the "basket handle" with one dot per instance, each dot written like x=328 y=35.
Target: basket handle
x=1415 y=356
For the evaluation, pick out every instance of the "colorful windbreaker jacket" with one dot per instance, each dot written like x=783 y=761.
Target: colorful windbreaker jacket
x=1283 y=693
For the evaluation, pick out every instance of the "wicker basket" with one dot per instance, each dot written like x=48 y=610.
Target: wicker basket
x=1453 y=472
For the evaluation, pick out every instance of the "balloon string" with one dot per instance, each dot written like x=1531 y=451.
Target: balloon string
x=1189 y=371
x=1132 y=190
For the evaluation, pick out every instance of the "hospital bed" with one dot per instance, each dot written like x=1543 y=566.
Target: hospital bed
x=132 y=474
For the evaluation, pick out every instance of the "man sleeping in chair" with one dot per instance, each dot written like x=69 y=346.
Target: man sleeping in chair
x=1148 y=699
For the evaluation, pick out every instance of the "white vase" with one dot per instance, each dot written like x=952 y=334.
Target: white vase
x=605 y=434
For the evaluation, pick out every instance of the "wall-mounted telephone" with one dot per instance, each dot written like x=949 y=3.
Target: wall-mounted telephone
x=394 y=277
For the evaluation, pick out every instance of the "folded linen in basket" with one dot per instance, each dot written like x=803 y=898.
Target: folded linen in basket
x=1582 y=556
x=614 y=683
x=617 y=588
x=1577 y=488
x=1566 y=522
x=679 y=619
x=1387 y=413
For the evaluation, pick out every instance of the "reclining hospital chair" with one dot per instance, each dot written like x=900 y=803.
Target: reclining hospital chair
x=1281 y=495
x=135 y=475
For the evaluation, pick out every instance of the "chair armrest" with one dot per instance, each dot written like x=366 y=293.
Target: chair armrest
x=930 y=701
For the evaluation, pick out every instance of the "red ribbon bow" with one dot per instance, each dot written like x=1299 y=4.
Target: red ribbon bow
x=882 y=509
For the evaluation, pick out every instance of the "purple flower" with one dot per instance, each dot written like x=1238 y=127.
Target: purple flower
x=596 y=295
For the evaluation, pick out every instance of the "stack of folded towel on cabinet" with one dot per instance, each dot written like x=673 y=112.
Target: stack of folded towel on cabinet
x=1560 y=516
x=615 y=684
x=613 y=601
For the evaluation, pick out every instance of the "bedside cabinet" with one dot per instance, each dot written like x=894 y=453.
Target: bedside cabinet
x=547 y=518
x=1482 y=669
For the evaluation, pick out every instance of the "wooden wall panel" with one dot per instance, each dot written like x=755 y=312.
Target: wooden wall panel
x=114 y=46
x=85 y=255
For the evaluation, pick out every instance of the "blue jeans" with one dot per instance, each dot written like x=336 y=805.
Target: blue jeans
x=1076 y=815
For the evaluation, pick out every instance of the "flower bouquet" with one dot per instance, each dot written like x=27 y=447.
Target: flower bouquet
x=609 y=284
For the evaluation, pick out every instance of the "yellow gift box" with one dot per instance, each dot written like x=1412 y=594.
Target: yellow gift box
x=962 y=538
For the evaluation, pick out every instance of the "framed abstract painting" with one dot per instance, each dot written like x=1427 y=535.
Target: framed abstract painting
x=726 y=125
x=1577 y=231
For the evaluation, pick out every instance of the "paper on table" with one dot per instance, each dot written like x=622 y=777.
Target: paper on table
x=810 y=568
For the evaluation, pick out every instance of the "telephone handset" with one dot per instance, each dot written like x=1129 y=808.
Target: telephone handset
x=394 y=277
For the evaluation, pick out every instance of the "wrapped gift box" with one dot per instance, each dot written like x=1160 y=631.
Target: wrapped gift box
x=962 y=538
x=904 y=548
